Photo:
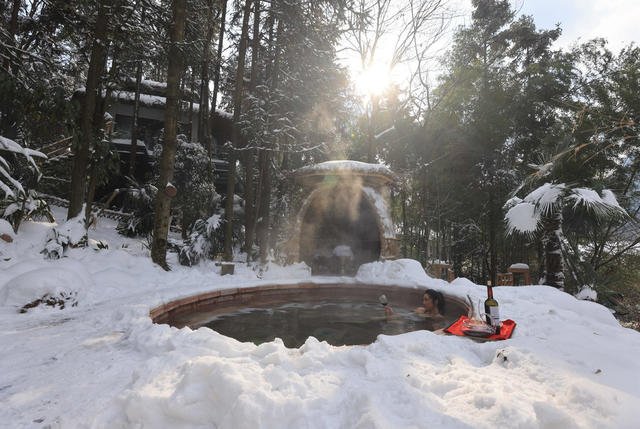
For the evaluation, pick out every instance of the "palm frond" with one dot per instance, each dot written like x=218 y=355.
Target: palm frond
x=601 y=206
x=547 y=197
x=523 y=218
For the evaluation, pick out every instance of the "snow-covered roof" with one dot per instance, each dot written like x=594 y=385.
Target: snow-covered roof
x=119 y=141
x=145 y=99
x=153 y=83
x=519 y=266
x=347 y=168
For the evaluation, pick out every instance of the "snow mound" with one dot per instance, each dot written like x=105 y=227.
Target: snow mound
x=74 y=229
x=5 y=228
x=569 y=363
x=63 y=280
x=298 y=271
x=463 y=281
x=400 y=270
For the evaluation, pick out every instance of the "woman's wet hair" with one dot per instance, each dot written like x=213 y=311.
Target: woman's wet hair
x=436 y=296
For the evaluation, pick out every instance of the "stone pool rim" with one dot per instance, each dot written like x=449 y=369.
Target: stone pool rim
x=239 y=297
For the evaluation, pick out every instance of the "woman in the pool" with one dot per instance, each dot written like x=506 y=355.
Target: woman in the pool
x=432 y=305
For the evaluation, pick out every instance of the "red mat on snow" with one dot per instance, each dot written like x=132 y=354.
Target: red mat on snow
x=505 y=330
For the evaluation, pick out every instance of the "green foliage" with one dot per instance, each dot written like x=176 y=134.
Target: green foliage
x=55 y=245
x=34 y=87
x=104 y=161
x=139 y=201
x=492 y=113
x=101 y=245
x=299 y=102
x=29 y=205
x=19 y=175
x=193 y=178
x=18 y=169
x=206 y=240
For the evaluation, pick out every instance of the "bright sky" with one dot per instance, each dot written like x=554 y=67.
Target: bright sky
x=615 y=20
x=580 y=20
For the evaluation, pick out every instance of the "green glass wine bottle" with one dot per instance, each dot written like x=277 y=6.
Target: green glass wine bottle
x=491 y=309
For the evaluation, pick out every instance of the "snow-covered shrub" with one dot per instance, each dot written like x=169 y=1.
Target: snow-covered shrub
x=57 y=285
x=101 y=245
x=8 y=150
x=140 y=201
x=71 y=234
x=587 y=293
x=194 y=178
x=21 y=206
x=205 y=241
x=61 y=301
x=18 y=177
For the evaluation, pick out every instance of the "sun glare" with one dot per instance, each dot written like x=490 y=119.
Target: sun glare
x=373 y=81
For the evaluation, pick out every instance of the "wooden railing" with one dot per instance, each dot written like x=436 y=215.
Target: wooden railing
x=101 y=212
x=58 y=149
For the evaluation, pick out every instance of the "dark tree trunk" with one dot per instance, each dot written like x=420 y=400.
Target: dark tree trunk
x=405 y=235
x=203 y=112
x=249 y=197
x=167 y=160
x=216 y=72
x=551 y=240
x=104 y=87
x=7 y=116
x=99 y=124
x=192 y=90
x=268 y=71
x=493 y=239
x=265 y=208
x=264 y=213
x=371 y=147
x=13 y=29
x=136 y=113
x=86 y=137
x=134 y=125
x=541 y=266
x=237 y=110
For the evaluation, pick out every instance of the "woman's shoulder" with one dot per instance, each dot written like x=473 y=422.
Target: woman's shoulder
x=433 y=316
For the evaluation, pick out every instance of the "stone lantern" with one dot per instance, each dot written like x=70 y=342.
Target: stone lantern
x=344 y=220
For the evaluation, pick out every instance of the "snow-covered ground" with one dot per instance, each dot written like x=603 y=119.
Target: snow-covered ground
x=103 y=364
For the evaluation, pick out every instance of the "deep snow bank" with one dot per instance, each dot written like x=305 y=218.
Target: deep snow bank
x=103 y=364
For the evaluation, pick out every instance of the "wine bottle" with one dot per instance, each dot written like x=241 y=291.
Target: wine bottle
x=491 y=309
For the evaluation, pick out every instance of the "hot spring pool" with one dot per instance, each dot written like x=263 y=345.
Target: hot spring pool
x=336 y=322
x=341 y=314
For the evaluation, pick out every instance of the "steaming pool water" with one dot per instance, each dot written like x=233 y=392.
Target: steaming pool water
x=336 y=322
x=341 y=314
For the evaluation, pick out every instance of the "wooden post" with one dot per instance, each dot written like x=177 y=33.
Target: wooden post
x=520 y=271
x=441 y=270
